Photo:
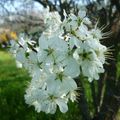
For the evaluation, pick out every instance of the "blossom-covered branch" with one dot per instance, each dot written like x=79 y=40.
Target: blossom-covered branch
x=66 y=50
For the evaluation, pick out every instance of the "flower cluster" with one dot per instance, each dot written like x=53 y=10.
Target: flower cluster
x=65 y=50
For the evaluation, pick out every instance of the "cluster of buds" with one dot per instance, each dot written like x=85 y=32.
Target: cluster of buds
x=65 y=50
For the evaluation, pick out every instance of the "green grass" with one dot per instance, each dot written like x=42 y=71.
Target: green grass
x=13 y=82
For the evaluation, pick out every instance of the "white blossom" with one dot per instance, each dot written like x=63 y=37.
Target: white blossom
x=66 y=49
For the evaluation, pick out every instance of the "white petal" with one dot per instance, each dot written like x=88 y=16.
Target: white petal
x=58 y=44
x=43 y=42
x=52 y=107
x=82 y=14
x=37 y=106
x=18 y=64
x=62 y=105
x=72 y=67
x=68 y=84
x=20 y=56
x=53 y=85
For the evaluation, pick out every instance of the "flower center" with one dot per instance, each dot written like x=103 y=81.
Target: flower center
x=85 y=55
x=49 y=51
